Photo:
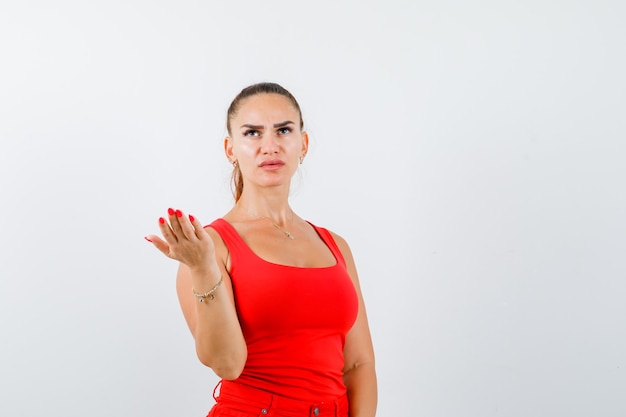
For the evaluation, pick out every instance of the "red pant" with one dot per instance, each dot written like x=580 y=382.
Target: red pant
x=236 y=400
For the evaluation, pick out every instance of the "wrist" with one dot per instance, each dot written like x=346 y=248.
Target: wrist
x=209 y=295
x=203 y=279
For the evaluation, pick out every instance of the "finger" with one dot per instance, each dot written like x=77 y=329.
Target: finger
x=167 y=232
x=198 y=228
x=160 y=244
x=174 y=216
x=186 y=226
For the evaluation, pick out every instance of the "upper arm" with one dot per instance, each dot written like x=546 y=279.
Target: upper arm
x=358 y=348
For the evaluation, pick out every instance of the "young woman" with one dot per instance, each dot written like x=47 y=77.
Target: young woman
x=273 y=301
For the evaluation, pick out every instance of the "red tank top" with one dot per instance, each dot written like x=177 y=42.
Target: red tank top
x=294 y=320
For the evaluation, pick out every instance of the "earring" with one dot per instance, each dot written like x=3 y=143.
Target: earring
x=235 y=163
x=301 y=159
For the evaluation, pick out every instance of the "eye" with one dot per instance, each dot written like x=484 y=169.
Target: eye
x=284 y=130
x=251 y=132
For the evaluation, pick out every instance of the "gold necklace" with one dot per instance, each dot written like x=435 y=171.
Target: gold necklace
x=286 y=232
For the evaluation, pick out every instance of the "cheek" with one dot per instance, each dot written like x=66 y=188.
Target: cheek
x=296 y=147
x=245 y=149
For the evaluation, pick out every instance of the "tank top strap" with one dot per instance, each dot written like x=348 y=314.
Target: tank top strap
x=328 y=239
x=234 y=243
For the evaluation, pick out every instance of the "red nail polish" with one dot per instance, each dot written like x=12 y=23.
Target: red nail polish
x=179 y=213
x=191 y=218
x=170 y=211
x=161 y=220
x=148 y=239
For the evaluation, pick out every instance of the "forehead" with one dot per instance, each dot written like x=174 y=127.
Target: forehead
x=272 y=107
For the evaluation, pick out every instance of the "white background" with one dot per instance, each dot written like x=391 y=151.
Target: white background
x=472 y=154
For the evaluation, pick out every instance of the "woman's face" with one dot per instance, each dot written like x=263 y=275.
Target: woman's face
x=266 y=140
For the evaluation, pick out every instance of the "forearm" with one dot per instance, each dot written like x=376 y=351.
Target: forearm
x=218 y=337
x=362 y=390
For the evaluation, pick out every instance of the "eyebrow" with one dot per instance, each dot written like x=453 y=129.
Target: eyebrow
x=281 y=124
x=285 y=123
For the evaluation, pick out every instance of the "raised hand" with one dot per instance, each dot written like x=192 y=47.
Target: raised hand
x=185 y=240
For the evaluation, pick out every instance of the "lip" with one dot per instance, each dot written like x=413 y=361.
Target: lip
x=272 y=164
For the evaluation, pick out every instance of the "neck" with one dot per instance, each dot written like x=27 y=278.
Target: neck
x=273 y=207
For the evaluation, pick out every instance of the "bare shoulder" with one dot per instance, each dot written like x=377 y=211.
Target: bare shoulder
x=221 y=250
x=341 y=242
x=343 y=246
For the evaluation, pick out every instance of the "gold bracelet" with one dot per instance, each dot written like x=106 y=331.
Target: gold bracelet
x=209 y=294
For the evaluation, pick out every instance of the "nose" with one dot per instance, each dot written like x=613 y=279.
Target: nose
x=269 y=143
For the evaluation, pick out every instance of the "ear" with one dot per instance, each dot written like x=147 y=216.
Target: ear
x=228 y=149
x=305 y=144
